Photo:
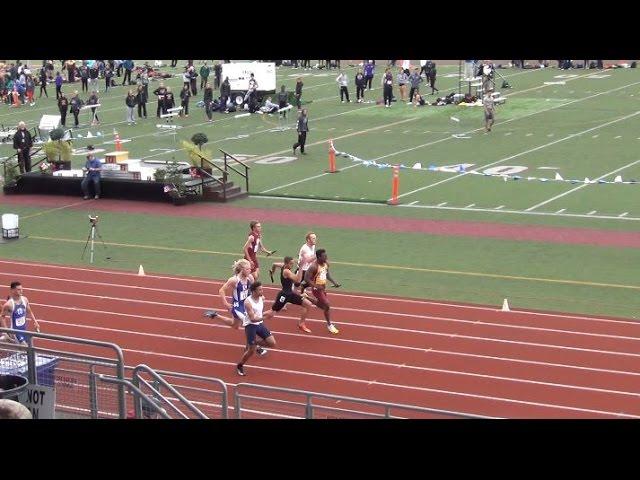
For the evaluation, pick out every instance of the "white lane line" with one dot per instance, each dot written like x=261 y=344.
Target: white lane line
x=568 y=137
x=624 y=214
x=392 y=385
x=361 y=361
x=210 y=282
x=592 y=212
x=619 y=136
x=595 y=136
x=442 y=204
x=346 y=340
x=500 y=207
x=414 y=202
x=361 y=310
x=468 y=206
x=580 y=187
x=561 y=210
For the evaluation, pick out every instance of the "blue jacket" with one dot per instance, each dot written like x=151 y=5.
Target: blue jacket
x=369 y=69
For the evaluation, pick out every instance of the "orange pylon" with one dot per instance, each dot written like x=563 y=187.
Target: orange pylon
x=118 y=144
x=332 y=158
x=395 y=185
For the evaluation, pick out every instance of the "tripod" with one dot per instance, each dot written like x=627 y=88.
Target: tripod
x=93 y=231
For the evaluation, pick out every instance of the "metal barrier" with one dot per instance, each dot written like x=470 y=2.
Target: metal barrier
x=202 y=397
x=76 y=390
x=150 y=404
x=290 y=403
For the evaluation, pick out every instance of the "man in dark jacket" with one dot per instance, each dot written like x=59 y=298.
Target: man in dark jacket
x=217 y=72
x=225 y=93
x=194 y=83
x=185 y=94
x=360 y=84
x=298 y=93
x=283 y=97
x=204 y=75
x=160 y=92
x=84 y=77
x=128 y=67
x=22 y=143
x=63 y=106
x=169 y=101
x=303 y=128
x=208 y=99
x=43 y=82
x=141 y=100
x=76 y=103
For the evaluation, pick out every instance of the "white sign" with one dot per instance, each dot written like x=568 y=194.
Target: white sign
x=40 y=400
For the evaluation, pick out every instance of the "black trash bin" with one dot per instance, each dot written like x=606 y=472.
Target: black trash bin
x=11 y=386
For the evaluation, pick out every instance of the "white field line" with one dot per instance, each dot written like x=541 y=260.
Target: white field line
x=392 y=385
x=186 y=323
x=334 y=294
x=510 y=157
x=202 y=308
x=579 y=187
x=462 y=209
x=449 y=138
x=320 y=357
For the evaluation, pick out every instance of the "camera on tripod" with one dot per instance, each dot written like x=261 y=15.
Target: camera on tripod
x=93 y=220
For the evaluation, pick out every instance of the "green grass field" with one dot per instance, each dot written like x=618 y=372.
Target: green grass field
x=585 y=128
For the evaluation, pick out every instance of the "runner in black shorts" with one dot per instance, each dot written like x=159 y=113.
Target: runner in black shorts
x=287 y=295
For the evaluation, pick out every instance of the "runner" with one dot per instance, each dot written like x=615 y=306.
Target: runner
x=253 y=246
x=317 y=276
x=254 y=326
x=306 y=256
x=287 y=295
x=237 y=287
x=14 y=315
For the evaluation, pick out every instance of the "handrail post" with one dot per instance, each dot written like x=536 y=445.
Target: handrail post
x=237 y=406
x=32 y=372
x=93 y=392
x=309 y=408
x=137 y=402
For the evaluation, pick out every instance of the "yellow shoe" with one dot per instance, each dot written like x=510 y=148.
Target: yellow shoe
x=332 y=328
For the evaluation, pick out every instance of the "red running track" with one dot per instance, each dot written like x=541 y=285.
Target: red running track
x=465 y=358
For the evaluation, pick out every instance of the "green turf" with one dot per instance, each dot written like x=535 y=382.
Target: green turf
x=417 y=265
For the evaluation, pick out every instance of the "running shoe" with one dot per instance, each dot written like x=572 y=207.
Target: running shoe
x=261 y=351
x=211 y=314
x=332 y=328
x=240 y=369
x=304 y=328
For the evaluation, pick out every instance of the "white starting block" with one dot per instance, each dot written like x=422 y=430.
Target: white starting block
x=95 y=112
x=175 y=110
x=165 y=126
x=48 y=123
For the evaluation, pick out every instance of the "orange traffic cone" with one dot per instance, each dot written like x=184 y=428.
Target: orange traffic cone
x=395 y=186
x=118 y=144
x=332 y=158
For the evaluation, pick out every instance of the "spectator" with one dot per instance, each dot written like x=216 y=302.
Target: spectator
x=131 y=102
x=108 y=75
x=360 y=84
x=22 y=143
x=283 y=97
x=343 y=81
x=387 y=87
x=208 y=100
x=58 y=84
x=93 y=167
x=414 y=80
x=303 y=128
x=160 y=92
x=185 y=94
x=76 y=103
x=43 y=82
x=369 y=70
x=12 y=410
x=93 y=77
x=118 y=67
x=174 y=63
x=71 y=70
x=93 y=100
x=225 y=94
x=423 y=67
x=217 y=72
x=298 y=93
x=205 y=70
x=128 y=67
x=192 y=77
x=169 y=101
x=84 y=78
x=141 y=100
x=30 y=87
x=63 y=106
x=251 y=91
x=432 y=78
x=186 y=78
x=269 y=107
x=402 y=79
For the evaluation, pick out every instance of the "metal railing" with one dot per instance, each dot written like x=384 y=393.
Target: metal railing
x=39 y=363
x=227 y=166
x=291 y=403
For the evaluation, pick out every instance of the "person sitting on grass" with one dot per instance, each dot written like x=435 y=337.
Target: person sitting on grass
x=268 y=107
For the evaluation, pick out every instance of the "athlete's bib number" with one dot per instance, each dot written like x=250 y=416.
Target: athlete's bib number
x=282 y=299
x=20 y=321
x=244 y=294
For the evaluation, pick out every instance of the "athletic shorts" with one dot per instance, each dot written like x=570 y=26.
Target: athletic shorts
x=256 y=265
x=284 y=298
x=254 y=329
x=321 y=295
x=488 y=115
x=237 y=314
